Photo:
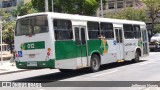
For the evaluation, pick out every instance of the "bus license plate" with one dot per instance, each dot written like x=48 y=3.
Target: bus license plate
x=31 y=55
x=31 y=63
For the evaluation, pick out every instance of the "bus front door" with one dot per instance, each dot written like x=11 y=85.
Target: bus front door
x=119 y=44
x=81 y=43
x=145 y=42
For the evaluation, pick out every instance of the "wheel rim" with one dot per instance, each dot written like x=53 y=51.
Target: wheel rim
x=95 y=64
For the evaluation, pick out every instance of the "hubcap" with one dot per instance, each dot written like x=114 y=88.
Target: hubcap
x=95 y=64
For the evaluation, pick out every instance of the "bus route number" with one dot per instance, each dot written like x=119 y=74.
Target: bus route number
x=30 y=46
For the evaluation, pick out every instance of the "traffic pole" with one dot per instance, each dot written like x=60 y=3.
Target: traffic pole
x=1 y=40
x=52 y=6
x=46 y=5
x=101 y=3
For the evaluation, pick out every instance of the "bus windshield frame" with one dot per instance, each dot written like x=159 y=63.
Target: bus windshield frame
x=32 y=25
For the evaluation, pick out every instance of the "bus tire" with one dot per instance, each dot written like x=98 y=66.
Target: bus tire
x=94 y=63
x=136 y=59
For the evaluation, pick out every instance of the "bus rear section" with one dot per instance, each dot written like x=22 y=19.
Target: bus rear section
x=33 y=47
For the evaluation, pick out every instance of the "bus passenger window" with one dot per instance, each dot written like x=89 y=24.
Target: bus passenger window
x=62 y=29
x=137 y=32
x=93 y=30
x=128 y=31
x=107 y=30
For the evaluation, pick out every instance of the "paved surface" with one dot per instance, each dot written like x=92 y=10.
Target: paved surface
x=5 y=66
x=146 y=70
x=6 y=55
x=8 y=68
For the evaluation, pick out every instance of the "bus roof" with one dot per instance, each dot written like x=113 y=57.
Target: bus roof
x=83 y=18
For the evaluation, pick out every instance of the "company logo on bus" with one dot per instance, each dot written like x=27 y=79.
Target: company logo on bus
x=104 y=46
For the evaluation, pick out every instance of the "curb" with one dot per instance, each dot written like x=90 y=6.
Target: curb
x=14 y=72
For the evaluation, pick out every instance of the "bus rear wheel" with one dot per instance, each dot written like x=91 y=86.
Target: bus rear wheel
x=95 y=63
x=136 y=59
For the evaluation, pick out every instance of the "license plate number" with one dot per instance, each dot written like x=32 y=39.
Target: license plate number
x=31 y=63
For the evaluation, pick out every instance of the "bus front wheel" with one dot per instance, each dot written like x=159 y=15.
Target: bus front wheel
x=95 y=63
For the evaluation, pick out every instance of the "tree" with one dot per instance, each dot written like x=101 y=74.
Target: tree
x=85 y=7
x=7 y=28
x=153 y=7
x=5 y=18
x=157 y=28
x=129 y=13
x=8 y=35
x=23 y=9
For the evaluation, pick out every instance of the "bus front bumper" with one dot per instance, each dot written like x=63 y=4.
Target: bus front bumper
x=36 y=64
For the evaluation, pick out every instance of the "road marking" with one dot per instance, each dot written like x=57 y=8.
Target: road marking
x=105 y=73
x=146 y=63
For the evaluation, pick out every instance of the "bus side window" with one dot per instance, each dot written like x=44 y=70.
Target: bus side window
x=93 y=30
x=137 y=32
x=128 y=31
x=107 y=30
x=62 y=29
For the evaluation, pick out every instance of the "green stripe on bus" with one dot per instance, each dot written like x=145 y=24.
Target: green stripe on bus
x=69 y=49
x=65 y=49
x=33 y=45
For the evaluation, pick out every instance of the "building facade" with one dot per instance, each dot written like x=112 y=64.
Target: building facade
x=117 y=5
x=11 y=3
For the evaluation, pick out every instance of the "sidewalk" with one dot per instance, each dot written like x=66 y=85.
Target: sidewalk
x=7 y=68
x=6 y=55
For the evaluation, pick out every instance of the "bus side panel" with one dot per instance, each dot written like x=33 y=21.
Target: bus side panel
x=94 y=46
x=130 y=46
x=64 y=53
x=107 y=50
x=64 y=50
x=111 y=55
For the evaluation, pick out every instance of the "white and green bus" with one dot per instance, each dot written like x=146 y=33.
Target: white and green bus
x=65 y=41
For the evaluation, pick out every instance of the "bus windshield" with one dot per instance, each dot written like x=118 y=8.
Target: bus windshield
x=31 y=25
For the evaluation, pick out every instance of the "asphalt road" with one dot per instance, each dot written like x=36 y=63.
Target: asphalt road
x=146 y=70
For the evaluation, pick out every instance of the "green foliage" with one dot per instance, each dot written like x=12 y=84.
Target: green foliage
x=24 y=9
x=5 y=18
x=8 y=33
x=129 y=13
x=7 y=28
x=153 y=7
x=157 y=28
x=85 y=7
